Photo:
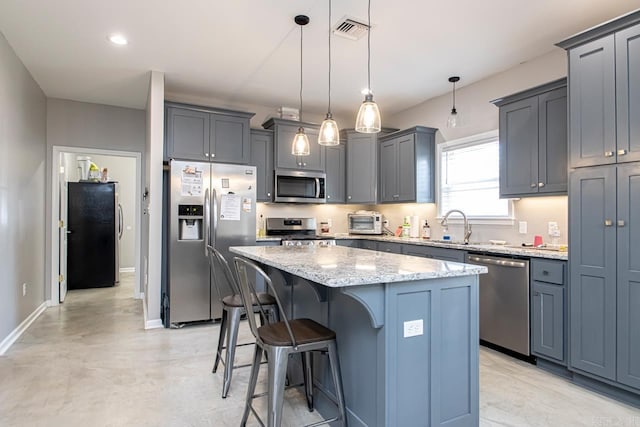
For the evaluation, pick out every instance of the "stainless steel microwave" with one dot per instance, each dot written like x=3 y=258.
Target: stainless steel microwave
x=293 y=186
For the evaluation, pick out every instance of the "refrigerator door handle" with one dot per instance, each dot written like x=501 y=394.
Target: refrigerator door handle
x=207 y=222
x=120 y=220
x=214 y=199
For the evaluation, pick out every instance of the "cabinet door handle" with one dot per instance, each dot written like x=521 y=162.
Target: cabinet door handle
x=269 y=194
x=328 y=197
x=537 y=294
x=620 y=223
x=608 y=223
x=622 y=152
x=349 y=197
x=533 y=185
x=545 y=273
x=206 y=154
x=304 y=164
x=608 y=153
x=213 y=154
x=541 y=184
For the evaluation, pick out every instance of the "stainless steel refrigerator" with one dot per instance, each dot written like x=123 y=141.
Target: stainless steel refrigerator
x=209 y=204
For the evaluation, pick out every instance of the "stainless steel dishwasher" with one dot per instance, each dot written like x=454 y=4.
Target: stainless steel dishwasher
x=504 y=301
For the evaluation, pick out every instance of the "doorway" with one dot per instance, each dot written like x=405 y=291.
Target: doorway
x=123 y=167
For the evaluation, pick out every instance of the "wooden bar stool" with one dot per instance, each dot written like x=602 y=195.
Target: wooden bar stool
x=232 y=311
x=278 y=341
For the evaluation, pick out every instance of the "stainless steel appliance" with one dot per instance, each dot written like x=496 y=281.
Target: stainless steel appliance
x=504 y=302
x=365 y=222
x=94 y=230
x=299 y=186
x=209 y=204
x=297 y=232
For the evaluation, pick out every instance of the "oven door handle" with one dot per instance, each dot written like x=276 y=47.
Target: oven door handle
x=499 y=262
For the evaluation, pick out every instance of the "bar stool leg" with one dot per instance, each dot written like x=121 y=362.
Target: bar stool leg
x=337 y=380
x=232 y=339
x=307 y=369
x=277 y=368
x=221 y=336
x=253 y=380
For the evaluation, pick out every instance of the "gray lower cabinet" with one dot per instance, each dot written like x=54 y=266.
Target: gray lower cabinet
x=442 y=254
x=533 y=141
x=283 y=133
x=372 y=245
x=394 y=248
x=260 y=284
x=407 y=167
x=335 y=168
x=206 y=134
x=604 y=104
x=351 y=243
x=262 y=159
x=604 y=206
x=548 y=310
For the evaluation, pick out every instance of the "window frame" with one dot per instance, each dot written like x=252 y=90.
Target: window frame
x=469 y=141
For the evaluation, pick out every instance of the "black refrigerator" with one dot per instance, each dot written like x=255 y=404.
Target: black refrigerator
x=94 y=227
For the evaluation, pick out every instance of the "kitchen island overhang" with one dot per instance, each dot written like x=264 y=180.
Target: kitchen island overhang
x=407 y=330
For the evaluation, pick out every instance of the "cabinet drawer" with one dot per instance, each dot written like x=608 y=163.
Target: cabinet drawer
x=548 y=271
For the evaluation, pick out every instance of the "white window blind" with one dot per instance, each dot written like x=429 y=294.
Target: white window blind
x=469 y=178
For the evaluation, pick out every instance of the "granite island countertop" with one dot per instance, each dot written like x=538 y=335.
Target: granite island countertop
x=473 y=247
x=338 y=266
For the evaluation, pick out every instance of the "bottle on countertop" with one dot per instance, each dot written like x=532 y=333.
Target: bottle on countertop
x=406 y=227
x=426 y=230
x=261 y=229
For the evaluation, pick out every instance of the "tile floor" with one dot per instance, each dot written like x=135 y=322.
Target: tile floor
x=89 y=362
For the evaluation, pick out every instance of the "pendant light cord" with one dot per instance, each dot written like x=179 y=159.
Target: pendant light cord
x=454 y=96
x=369 y=48
x=300 y=73
x=329 y=108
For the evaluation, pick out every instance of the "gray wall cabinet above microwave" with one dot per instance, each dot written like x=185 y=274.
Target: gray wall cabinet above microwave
x=533 y=141
x=262 y=159
x=407 y=167
x=207 y=135
x=283 y=133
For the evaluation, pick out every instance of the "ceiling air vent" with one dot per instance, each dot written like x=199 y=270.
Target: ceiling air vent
x=350 y=29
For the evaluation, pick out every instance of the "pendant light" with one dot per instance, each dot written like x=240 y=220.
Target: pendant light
x=368 y=119
x=329 y=134
x=300 y=146
x=454 y=118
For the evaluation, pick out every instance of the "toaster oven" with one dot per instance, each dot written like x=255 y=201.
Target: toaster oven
x=365 y=223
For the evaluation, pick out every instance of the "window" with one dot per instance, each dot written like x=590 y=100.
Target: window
x=469 y=178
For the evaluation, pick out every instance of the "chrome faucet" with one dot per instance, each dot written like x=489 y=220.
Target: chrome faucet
x=467 y=226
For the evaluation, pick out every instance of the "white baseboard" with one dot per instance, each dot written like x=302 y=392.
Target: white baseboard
x=17 y=332
x=153 y=324
x=127 y=269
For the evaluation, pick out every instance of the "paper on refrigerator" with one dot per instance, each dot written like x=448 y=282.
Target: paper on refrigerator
x=230 y=206
x=191 y=181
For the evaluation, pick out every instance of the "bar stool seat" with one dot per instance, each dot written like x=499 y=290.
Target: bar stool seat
x=279 y=340
x=232 y=311
x=304 y=331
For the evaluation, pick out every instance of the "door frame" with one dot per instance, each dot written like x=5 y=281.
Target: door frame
x=55 y=217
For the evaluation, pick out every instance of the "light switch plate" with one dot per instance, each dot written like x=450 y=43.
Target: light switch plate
x=413 y=328
x=522 y=227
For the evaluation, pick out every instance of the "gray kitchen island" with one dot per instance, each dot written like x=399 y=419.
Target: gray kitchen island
x=407 y=330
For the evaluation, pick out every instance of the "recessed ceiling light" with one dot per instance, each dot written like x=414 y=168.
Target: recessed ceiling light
x=118 y=39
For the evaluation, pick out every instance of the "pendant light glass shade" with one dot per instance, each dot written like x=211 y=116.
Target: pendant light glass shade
x=329 y=133
x=300 y=146
x=454 y=119
x=368 y=118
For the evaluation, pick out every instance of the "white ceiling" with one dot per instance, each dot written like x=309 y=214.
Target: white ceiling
x=247 y=51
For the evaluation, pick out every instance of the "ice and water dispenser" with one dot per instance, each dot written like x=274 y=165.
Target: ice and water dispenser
x=190 y=222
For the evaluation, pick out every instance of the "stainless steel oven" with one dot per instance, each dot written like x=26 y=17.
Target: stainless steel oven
x=293 y=186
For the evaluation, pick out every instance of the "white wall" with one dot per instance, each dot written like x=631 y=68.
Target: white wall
x=22 y=189
x=86 y=125
x=153 y=208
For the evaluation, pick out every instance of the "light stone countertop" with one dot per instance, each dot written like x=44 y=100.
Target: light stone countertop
x=473 y=247
x=338 y=266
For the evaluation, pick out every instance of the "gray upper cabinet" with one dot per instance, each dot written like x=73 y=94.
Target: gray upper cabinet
x=283 y=133
x=628 y=94
x=533 y=141
x=548 y=309
x=262 y=159
x=362 y=166
x=605 y=94
x=335 y=164
x=206 y=134
x=407 y=171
